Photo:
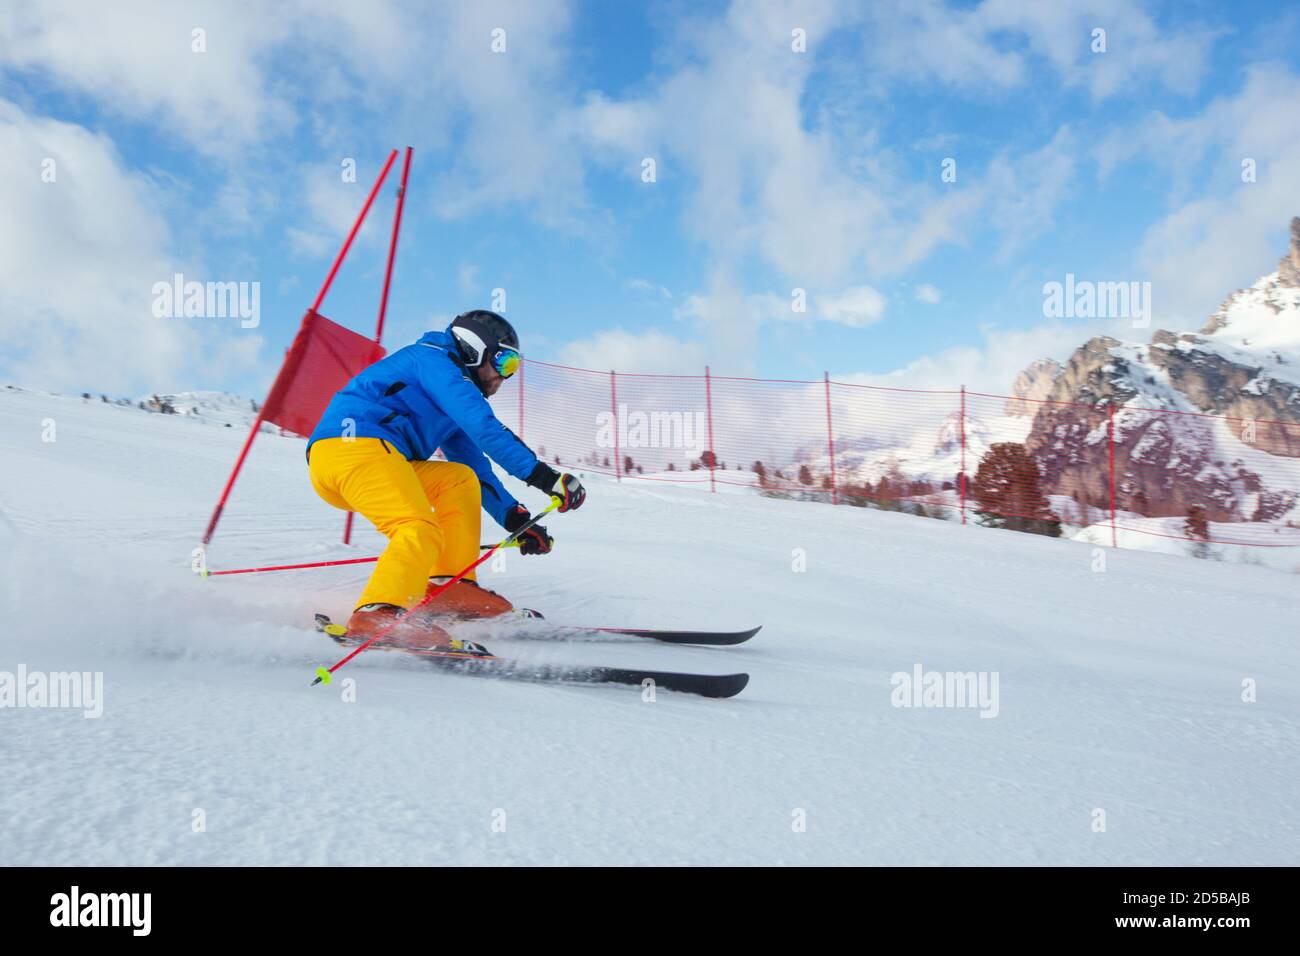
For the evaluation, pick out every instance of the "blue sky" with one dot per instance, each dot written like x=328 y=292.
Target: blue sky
x=775 y=170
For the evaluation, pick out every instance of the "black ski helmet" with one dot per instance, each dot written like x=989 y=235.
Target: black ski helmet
x=480 y=335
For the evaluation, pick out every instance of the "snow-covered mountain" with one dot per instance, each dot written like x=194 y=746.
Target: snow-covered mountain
x=931 y=455
x=1243 y=365
x=1208 y=418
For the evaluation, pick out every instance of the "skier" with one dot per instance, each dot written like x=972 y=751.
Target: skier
x=370 y=454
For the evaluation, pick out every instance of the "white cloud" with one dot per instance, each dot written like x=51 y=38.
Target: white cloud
x=929 y=39
x=729 y=317
x=928 y=294
x=332 y=205
x=857 y=306
x=1022 y=193
x=1139 y=52
x=646 y=287
x=519 y=144
x=1000 y=45
x=1218 y=238
x=989 y=367
x=1228 y=232
x=77 y=268
x=136 y=58
x=338 y=71
x=730 y=123
x=776 y=189
x=644 y=352
x=332 y=70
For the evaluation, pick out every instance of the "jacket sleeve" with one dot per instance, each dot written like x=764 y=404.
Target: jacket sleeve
x=496 y=500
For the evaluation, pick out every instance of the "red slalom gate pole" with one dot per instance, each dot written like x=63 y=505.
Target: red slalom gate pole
x=356 y=227
x=325 y=675
x=295 y=567
x=320 y=297
x=392 y=243
x=323 y=563
x=329 y=564
x=230 y=482
x=388 y=281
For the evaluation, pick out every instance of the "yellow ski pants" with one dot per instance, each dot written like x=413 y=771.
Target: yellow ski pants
x=428 y=510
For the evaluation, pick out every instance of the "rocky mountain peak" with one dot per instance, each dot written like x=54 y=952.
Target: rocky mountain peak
x=1033 y=385
x=1288 y=270
x=1243 y=367
x=1274 y=292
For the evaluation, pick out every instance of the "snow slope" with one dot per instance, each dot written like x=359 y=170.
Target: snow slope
x=1119 y=690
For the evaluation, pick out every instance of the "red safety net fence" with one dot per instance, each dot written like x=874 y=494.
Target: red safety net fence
x=1110 y=473
x=1119 y=471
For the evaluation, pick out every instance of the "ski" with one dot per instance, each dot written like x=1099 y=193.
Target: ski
x=704 y=685
x=718 y=638
x=478 y=661
x=532 y=625
x=547 y=630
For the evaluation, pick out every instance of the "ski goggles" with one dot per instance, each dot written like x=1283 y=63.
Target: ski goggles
x=506 y=361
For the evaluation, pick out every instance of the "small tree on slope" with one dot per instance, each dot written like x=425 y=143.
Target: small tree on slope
x=1008 y=492
x=1197 y=528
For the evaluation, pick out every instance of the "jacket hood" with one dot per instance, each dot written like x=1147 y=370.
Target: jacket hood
x=441 y=338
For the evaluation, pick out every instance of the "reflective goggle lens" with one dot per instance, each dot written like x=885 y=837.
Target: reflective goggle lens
x=507 y=362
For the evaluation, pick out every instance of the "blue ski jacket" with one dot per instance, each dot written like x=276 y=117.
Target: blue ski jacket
x=421 y=398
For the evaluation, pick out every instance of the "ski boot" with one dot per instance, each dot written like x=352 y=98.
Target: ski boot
x=396 y=628
x=465 y=600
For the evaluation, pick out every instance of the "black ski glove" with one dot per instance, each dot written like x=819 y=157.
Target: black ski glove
x=563 y=486
x=533 y=541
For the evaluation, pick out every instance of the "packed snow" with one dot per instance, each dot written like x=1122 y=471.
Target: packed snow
x=1260 y=327
x=1146 y=706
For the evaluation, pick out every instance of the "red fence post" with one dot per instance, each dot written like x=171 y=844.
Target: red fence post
x=708 y=404
x=1110 y=444
x=521 y=399
x=830 y=439
x=961 y=480
x=613 y=407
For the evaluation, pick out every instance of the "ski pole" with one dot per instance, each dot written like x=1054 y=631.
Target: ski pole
x=325 y=675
